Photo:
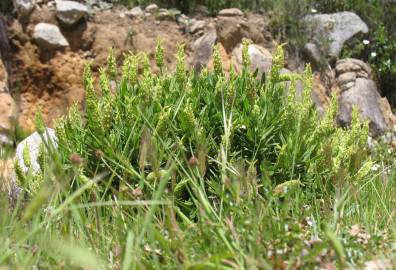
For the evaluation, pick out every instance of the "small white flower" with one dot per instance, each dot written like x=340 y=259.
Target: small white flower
x=243 y=127
x=314 y=10
x=373 y=54
x=366 y=42
x=375 y=167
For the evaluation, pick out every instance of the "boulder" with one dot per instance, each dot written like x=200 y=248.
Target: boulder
x=261 y=58
x=151 y=8
x=229 y=33
x=359 y=90
x=33 y=143
x=70 y=12
x=203 y=50
x=49 y=37
x=230 y=12
x=328 y=32
x=135 y=12
x=24 y=7
x=8 y=111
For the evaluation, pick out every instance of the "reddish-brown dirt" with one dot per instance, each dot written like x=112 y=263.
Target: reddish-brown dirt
x=52 y=81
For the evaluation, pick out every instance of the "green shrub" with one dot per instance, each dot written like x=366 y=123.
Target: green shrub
x=199 y=171
x=207 y=128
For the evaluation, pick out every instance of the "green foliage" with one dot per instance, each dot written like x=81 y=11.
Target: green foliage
x=153 y=122
x=200 y=171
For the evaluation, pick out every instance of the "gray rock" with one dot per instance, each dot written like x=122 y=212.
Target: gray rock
x=135 y=12
x=24 y=7
x=49 y=37
x=365 y=97
x=196 y=26
x=261 y=58
x=347 y=86
x=151 y=8
x=5 y=140
x=346 y=78
x=33 y=144
x=330 y=31
x=358 y=89
x=353 y=65
x=203 y=50
x=314 y=55
x=70 y=12
x=230 y=12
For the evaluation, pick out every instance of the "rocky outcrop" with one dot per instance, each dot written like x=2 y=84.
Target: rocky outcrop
x=70 y=12
x=327 y=33
x=360 y=91
x=49 y=37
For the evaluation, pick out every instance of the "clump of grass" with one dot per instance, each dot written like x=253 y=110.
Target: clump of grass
x=209 y=170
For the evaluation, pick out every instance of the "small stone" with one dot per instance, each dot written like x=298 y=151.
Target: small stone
x=347 y=77
x=5 y=140
x=164 y=14
x=49 y=37
x=183 y=20
x=151 y=8
x=196 y=26
x=135 y=12
x=24 y=7
x=70 y=12
x=230 y=12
